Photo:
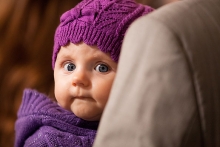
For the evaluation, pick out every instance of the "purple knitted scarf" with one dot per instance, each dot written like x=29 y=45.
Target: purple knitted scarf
x=42 y=123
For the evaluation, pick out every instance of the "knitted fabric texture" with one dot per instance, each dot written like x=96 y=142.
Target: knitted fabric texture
x=41 y=122
x=98 y=22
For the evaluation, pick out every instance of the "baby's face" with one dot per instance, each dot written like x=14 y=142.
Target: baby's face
x=83 y=79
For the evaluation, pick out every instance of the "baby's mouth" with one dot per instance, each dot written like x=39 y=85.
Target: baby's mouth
x=82 y=97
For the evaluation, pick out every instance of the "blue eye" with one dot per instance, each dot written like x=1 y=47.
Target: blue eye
x=69 y=66
x=102 y=68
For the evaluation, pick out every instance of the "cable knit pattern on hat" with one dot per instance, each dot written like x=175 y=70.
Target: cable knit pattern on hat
x=41 y=122
x=98 y=22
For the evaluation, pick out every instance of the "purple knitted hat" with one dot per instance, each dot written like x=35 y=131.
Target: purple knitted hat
x=98 y=22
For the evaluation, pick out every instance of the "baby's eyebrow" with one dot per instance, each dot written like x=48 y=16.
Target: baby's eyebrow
x=98 y=57
x=63 y=56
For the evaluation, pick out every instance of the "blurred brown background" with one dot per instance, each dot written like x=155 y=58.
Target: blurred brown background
x=26 y=41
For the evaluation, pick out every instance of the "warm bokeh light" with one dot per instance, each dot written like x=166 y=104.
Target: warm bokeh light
x=26 y=42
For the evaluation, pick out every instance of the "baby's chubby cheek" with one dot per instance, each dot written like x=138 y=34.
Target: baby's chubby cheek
x=60 y=99
x=63 y=106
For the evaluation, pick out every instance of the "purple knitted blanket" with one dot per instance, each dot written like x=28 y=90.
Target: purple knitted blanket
x=42 y=123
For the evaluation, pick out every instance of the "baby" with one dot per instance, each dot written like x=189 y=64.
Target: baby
x=86 y=50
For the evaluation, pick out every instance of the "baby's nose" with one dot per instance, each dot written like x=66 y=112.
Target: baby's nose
x=80 y=78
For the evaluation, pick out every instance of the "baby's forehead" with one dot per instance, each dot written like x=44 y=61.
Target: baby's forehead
x=81 y=49
x=78 y=46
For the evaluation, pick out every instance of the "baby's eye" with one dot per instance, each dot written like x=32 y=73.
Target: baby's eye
x=102 y=68
x=69 y=66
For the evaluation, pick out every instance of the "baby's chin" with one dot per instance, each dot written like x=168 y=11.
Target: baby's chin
x=86 y=116
x=84 y=111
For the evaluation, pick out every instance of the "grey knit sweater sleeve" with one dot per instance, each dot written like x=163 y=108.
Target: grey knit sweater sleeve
x=42 y=123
